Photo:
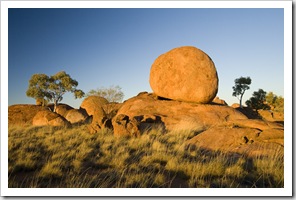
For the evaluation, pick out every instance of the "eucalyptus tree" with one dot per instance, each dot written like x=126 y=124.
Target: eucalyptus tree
x=53 y=87
x=241 y=85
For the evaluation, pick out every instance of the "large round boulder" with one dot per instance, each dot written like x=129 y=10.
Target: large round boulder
x=48 y=118
x=184 y=74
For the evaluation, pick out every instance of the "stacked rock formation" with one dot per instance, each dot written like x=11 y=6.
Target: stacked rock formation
x=185 y=83
x=185 y=75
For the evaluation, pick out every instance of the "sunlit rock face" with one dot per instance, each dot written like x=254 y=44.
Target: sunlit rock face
x=184 y=74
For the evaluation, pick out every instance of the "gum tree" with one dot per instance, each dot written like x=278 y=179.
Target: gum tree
x=241 y=85
x=53 y=88
x=258 y=101
x=112 y=94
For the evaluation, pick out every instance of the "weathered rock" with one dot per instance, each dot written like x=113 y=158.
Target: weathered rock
x=249 y=141
x=235 y=105
x=23 y=114
x=175 y=115
x=254 y=123
x=99 y=123
x=76 y=116
x=273 y=135
x=93 y=105
x=217 y=100
x=271 y=115
x=184 y=74
x=61 y=109
x=123 y=125
x=48 y=118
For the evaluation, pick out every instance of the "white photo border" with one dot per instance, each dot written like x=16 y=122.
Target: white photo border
x=286 y=191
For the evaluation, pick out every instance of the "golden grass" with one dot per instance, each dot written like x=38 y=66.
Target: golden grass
x=71 y=157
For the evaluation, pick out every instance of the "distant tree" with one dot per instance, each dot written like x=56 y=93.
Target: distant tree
x=270 y=98
x=53 y=88
x=112 y=94
x=275 y=102
x=258 y=101
x=241 y=85
x=279 y=104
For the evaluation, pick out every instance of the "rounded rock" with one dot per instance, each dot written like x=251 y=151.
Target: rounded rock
x=48 y=118
x=184 y=74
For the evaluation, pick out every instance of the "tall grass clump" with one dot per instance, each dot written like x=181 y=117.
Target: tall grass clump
x=74 y=158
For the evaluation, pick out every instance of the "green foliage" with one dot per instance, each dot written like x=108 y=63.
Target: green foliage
x=112 y=94
x=53 y=88
x=73 y=158
x=241 y=85
x=258 y=101
x=41 y=102
x=38 y=86
x=276 y=102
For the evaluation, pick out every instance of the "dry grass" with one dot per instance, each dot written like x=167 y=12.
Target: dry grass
x=60 y=157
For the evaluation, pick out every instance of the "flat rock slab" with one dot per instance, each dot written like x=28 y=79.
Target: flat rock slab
x=242 y=140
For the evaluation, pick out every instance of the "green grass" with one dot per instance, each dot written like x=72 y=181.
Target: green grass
x=74 y=158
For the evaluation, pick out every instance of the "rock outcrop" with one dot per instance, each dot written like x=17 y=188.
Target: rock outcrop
x=218 y=127
x=217 y=100
x=48 y=118
x=76 y=116
x=176 y=115
x=235 y=105
x=271 y=115
x=184 y=74
x=63 y=109
x=244 y=140
x=125 y=126
x=93 y=105
x=23 y=114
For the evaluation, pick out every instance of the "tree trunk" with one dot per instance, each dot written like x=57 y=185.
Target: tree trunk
x=241 y=99
x=240 y=102
x=55 y=103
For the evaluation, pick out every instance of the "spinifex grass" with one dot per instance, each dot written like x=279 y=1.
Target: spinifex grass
x=72 y=157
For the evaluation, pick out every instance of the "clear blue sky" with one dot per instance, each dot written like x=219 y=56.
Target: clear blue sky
x=104 y=47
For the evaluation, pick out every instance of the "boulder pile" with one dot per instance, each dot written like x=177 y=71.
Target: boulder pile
x=185 y=83
x=90 y=112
